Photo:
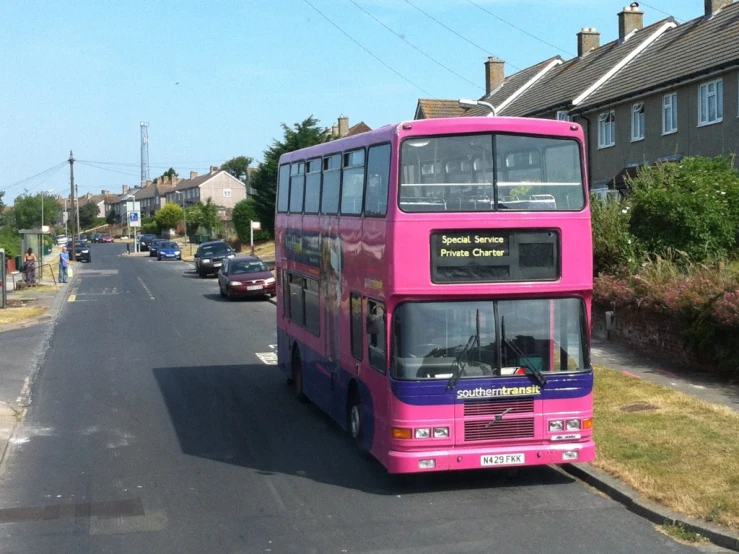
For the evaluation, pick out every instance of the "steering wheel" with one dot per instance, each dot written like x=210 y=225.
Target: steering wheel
x=428 y=346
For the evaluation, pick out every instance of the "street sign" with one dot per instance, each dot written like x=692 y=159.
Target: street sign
x=134 y=220
x=256 y=226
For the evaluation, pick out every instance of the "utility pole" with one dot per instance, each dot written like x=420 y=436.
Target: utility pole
x=72 y=254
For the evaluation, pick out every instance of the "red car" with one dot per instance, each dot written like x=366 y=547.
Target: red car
x=245 y=276
x=106 y=238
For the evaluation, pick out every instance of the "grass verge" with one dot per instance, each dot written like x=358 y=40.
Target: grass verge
x=668 y=446
x=16 y=315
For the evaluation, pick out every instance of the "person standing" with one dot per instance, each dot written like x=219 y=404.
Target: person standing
x=29 y=264
x=63 y=264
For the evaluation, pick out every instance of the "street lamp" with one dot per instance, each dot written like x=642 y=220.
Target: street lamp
x=466 y=103
x=184 y=216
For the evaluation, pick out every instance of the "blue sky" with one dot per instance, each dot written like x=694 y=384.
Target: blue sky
x=215 y=78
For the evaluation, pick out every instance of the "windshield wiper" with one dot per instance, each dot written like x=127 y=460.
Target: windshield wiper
x=460 y=362
x=530 y=366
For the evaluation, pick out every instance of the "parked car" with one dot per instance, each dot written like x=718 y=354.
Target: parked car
x=95 y=237
x=245 y=276
x=106 y=239
x=81 y=250
x=153 y=245
x=145 y=241
x=168 y=250
x=210 y=255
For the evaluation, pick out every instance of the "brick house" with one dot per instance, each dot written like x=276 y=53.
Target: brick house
x=152 y=196
x=656 y=93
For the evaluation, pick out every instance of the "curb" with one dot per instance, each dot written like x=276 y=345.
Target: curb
x=649 y=510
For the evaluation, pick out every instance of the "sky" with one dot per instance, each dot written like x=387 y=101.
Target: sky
x=216 y=78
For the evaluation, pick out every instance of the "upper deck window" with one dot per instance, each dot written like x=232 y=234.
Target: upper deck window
x=313 y=187
x=283 y=188
x=297 y=184
x=378 y=172
x=331 y=182
x=352 y=184
x=485 y=172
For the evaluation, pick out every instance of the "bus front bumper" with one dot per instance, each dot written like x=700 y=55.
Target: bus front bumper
x=487 y=457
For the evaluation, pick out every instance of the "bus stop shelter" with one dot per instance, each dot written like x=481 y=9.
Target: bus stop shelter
x=34 y=238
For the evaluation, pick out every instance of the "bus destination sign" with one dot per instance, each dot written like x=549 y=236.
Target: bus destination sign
x=494 y=255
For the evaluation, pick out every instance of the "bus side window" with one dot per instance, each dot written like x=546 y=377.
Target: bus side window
x=352 y=183
x=297 y=184
x=331 y=182
x=376 y=336
x=297 y=300
x=285 y=293
x=355 y=324
x=283 y=188
x=312 y=313
x=378 y=173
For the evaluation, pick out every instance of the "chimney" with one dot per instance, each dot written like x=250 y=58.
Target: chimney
x=165 y=179
x=494 y=74
x=630 y=19
x=335 y=130
x=193 y=174
x=587 y=39
x=712 y=6
x=124 y=188
x=104 y=192
x=343 y=125
x=213 y=168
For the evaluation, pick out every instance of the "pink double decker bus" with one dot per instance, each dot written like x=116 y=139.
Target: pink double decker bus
x=434 y=286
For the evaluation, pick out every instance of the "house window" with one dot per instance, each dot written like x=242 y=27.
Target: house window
x=563 y=115
x=227 y=193
x=710 y=102
x=669 y=113
x=637 y=121
x=606 y=129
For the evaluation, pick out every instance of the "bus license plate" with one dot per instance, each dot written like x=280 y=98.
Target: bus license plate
x=502 y=460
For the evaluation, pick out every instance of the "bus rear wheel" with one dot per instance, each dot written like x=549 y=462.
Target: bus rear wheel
x=297 y=376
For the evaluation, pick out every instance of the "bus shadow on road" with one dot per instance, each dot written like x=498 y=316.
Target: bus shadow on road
x=245 y=415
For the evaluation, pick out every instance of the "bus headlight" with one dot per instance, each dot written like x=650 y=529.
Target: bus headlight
x=441 y=432
x=556 y=425
x=423 y=433
x=573 y=424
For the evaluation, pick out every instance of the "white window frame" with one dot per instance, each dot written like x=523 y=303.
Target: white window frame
x=563 y=115
x=607 y=129
x=227 y=193
x=637 y=122
x=704 y=115
x=669 y=102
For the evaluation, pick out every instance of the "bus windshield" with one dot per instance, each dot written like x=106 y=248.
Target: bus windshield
x=496 y=338
x=486 y=172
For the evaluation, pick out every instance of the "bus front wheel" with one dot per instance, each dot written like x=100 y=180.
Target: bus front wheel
x=355 y=421
x=297 y=376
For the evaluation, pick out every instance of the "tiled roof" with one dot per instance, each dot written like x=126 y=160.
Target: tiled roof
x=695 y=47
x=195 y=181
x=433 y=109
x=565 y=82
x=151 y=191
x=360 y=127
x=509 y=87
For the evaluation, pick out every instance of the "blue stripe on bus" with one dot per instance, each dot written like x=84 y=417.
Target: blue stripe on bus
x=430 y=393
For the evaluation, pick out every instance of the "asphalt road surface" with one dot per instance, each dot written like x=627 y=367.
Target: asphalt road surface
x=157 y=425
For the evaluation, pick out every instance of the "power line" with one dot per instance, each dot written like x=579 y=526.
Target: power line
x=519 y=28
x=431 y=17
x=401 y=37
x=47 y=177
x=41 y=174
x=661 y=11
x=347 y=35
x=107 y=169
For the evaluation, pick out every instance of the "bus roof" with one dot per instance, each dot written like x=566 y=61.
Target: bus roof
x=442 y=126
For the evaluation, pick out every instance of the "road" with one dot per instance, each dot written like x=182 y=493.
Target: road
x=156 y=426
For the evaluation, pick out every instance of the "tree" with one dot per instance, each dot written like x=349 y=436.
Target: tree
x=112 y=218
x=88 y=214
x=243 y=214
x=2 y=209
x=27 y=211
x=238 y=167
x=169 y=216
x=210 y=216
x=171 y=173
x=264 y=180
x=194 y=218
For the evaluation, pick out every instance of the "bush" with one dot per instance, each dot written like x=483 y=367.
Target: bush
x=614 y=247
x=691 y=205
x=149 y=228
x=10 y=240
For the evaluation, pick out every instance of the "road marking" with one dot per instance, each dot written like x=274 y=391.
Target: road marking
x=151 y=296
x=273 y=346
x=269 y=358
x=72 y=298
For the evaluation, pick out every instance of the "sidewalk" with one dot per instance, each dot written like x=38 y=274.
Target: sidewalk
x=695 y=383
